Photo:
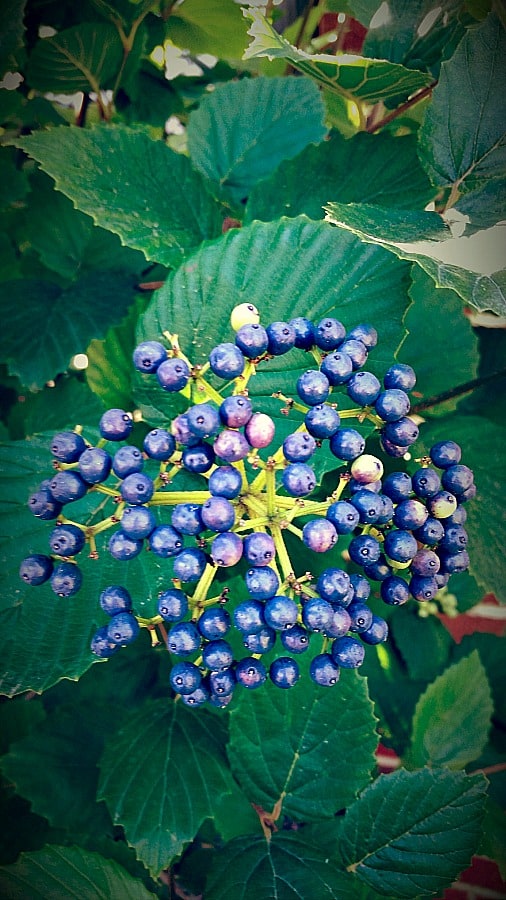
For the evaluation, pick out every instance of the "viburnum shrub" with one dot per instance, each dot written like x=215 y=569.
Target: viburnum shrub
x=252 y=448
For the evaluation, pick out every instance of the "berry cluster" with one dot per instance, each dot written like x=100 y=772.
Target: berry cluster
x=405 y=533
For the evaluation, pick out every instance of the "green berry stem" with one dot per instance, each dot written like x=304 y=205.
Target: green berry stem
x=282 y=553
x=203 y=585
x=270 y=487
x=171 y=498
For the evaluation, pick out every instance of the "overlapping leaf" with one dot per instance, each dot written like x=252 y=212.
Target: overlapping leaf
x=208 y=26
x=412 y=833
x=452 y=718
x=414 y=238
x=356 y=77
x=11 y=34
x=82 y=58
x=132 y=185
x=160 y=777
x=84 y=874
x=241 y=131
x=287 y=867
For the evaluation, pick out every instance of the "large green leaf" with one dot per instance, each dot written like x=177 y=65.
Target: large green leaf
x=412 y=833
x=42 y=874
x=355 y=77
x=160 y=777
x=286 y=867
x=82 y=58
x=414 y=238
x=283 y=745
x=64 y=404
x=463 y=138
x=377 y=168
x=208 y=26
x=132 y=185
x=286 y=268
x=11 y=34
x=423 y=643
x=482 y=443
x=45 y=325
x=110 y=363
x=452 y=718
x=241 y=131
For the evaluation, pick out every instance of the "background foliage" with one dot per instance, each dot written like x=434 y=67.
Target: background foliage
x=162 y=161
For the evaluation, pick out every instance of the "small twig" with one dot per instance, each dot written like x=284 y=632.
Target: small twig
x=371 y=127
x=458 y=391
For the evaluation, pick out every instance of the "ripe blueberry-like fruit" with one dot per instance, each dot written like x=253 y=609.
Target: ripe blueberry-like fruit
x=203 y=420
x=348 y=653
x=189 y=565
x=226 y=361
x=400 y=545
x=138 y=522
x=186 y=518
x=123 y=547
x=250 y=672
x=426 y=482
x=261 y=582
x=217 y=655
x=340 y=623
x=126 y=461
x=281 y=338
x=115 y=599
x=185 y=677
x=236 y=411
x=365 y=333
x=334 y=585
x=115 y=424
x=368 y=504
x=165 y=541
x=199 y=458
x=284 y=672
x=36 y=569
x=137 y=488
x=337 y=367
x=317 y=614
x=66 y=579
x=148 y=356
x=295 y=639
x=173 y=374
x=322 y=421
x=423 y=587
x=94 y=465
x=364 y=549
x=403 y=432
x=252 y=340
x=299 y=447
x=445 y=454
x=67 y=446
x=101 y=644
x=356 y=350
x=347 y=444
x=214 y=623
x=43 y=505
x=313 y=387
x=457 y=479
x=173 y=605
x=377 y=632
x=392 y=404
x=183 y=639
x=280 y=612
x=329 y=333
x=360 y=615
x=218 y=514
x=398 y=486
x=400 y=376
x=225 y=481
x=323 y=670
x=410 y=514
x=231 y=446
x=394 y=590
x=226 y=549
x=159 y=444
x=249 y=616
x=260 y=641
x=67 y=540
x=304 y=332
x=259 y=548
x=68 y=486
x=298 y=479
x=344 y=516
x=319 y=535
x=363 y=388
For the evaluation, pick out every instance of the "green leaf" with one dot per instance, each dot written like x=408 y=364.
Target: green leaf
x=412 y=833
x=286 y=867
x=270 y=265
x=66 y=794
x=18 y=718
x=380 y=168
x=485 y=513
x=423 y=643
x=57 y=407
x=463 y=139
x=282 y=745
x=14 y=183
x=357 y=77
x=82 y=58
x=208 y=26
x=110 y=364
x=241 y=131
x=46 y=326
x=144 y=192
x=491 y=650
x=430 y=338
x=422 y=242
x=160 y=777
x=12 y=34
x=83 y=874
x=452 y=718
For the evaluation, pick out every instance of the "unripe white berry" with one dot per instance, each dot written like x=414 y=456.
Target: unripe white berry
x=244 y=314
x=366 y=469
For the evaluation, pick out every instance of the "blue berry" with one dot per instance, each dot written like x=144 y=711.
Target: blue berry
x=400 y=545
x=394 y=590
x=295 y=639
x=222 y=682
x=334 y=585
x=365 y=333
x=159 y=444
x=148 y=356
x=226 y=361
x=395 y=450
x=173 y=374
x=431 y=532
x=322 y=421
x=126 y=461
x=457 y=479
x=361 y=587
x=115 y=599
x=313 y=387
x=67 y=540
x=138 y=522
x=304 y=332
x=360 y=615
x=227 y=549
x=189 y=565
x=203 y=420
x=319 y=535
x=199 y=458
x=231 y=446
x=67 y=486
x=236 y=411
x=115 y=424
x=329 y=333
x=377 y=632
x=94 y=465
x=402 y=432
x=261 y=582
x=299 y=446
x=344 y=516
x=425 y=562
x=337 y=367
x=197 y=697
x=398 y=486
x=340 y=623
x=410 y=514
x=317 y=614
x=123 y=547
x=101 y=645
x=347 y=444
x=225 y=481
x=284 y=672
x=426 y=482
x=66 y=579
x=364 y=549
x=185 y=677
x=43 y=505
x=217 y=655
x=368 y=504
x=280 y=612
x=356 y=350
x=392 y=404
x=281 y=338
x=453 y=563
x=363 y=388
x=347 y=652
x=186 y=518
x=250 y=672
x=249 y=616
x=214 y=623
x=218 y=514
x=165 y=541
x=324 y=671
x=400 y=376
x=261 y=641
x=67 y=446
x=259 y=548
x=455 y=539
x=183 y=638
x=173 y=605
x=423 y=587
x=137 y=488
x=378 y=570
x=182 y=433
x=252 y=340
x=298 y=479
x=36 y=569
x=445 y=454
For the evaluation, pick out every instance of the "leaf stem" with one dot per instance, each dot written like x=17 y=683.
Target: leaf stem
x=372 y=127
x=457 y=391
